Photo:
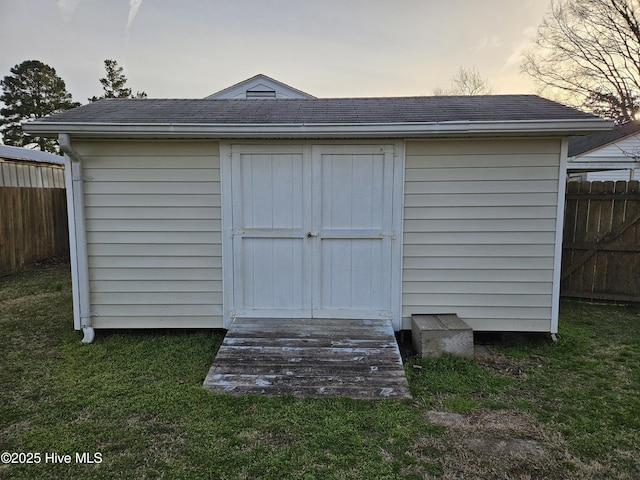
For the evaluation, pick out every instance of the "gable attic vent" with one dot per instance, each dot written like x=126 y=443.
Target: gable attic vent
x=260 y=93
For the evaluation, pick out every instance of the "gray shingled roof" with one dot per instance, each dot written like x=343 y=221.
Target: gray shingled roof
x=498 y=108
x=580 y=145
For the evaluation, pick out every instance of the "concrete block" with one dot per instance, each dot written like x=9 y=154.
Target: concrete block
x=434 y=335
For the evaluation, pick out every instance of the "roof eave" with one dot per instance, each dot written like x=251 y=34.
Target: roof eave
x=315 y=130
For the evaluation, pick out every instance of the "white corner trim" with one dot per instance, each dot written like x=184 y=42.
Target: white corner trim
x=227 y=234
x=398 y=228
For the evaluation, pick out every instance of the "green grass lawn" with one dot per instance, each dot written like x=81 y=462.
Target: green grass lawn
x=133 y=403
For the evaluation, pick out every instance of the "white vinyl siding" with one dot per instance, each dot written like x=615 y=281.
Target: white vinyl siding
x=479 y=231
x=617 y=154
x=626 y=149
x=153 y=233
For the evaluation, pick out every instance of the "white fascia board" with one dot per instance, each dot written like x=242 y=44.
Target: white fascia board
x=340 y=130
x=591 y=165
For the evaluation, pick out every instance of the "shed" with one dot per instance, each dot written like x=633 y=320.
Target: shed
x=190 y=213
x=611 y=155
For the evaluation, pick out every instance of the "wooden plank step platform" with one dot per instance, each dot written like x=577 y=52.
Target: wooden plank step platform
x=309 y=358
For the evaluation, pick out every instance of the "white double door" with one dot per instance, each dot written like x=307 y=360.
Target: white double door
x=312 y=230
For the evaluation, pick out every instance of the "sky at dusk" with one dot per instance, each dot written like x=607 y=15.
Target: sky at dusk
x=328 y=48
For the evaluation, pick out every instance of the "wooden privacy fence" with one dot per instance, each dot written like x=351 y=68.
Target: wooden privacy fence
x=601 y=248
x=33 y=226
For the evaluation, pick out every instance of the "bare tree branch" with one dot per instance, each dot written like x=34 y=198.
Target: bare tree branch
x=588 y=54
x=467 y=81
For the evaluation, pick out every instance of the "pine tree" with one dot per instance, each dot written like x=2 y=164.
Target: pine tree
x=114 y=83
x=33 y=90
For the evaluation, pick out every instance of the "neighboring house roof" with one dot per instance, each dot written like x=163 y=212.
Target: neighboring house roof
x=29 y=155
x=259 y=87
x=581 y=145
x=388 y=116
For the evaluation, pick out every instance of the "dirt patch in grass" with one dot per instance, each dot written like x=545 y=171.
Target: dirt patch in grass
x=508 y=366
x=502 y=444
